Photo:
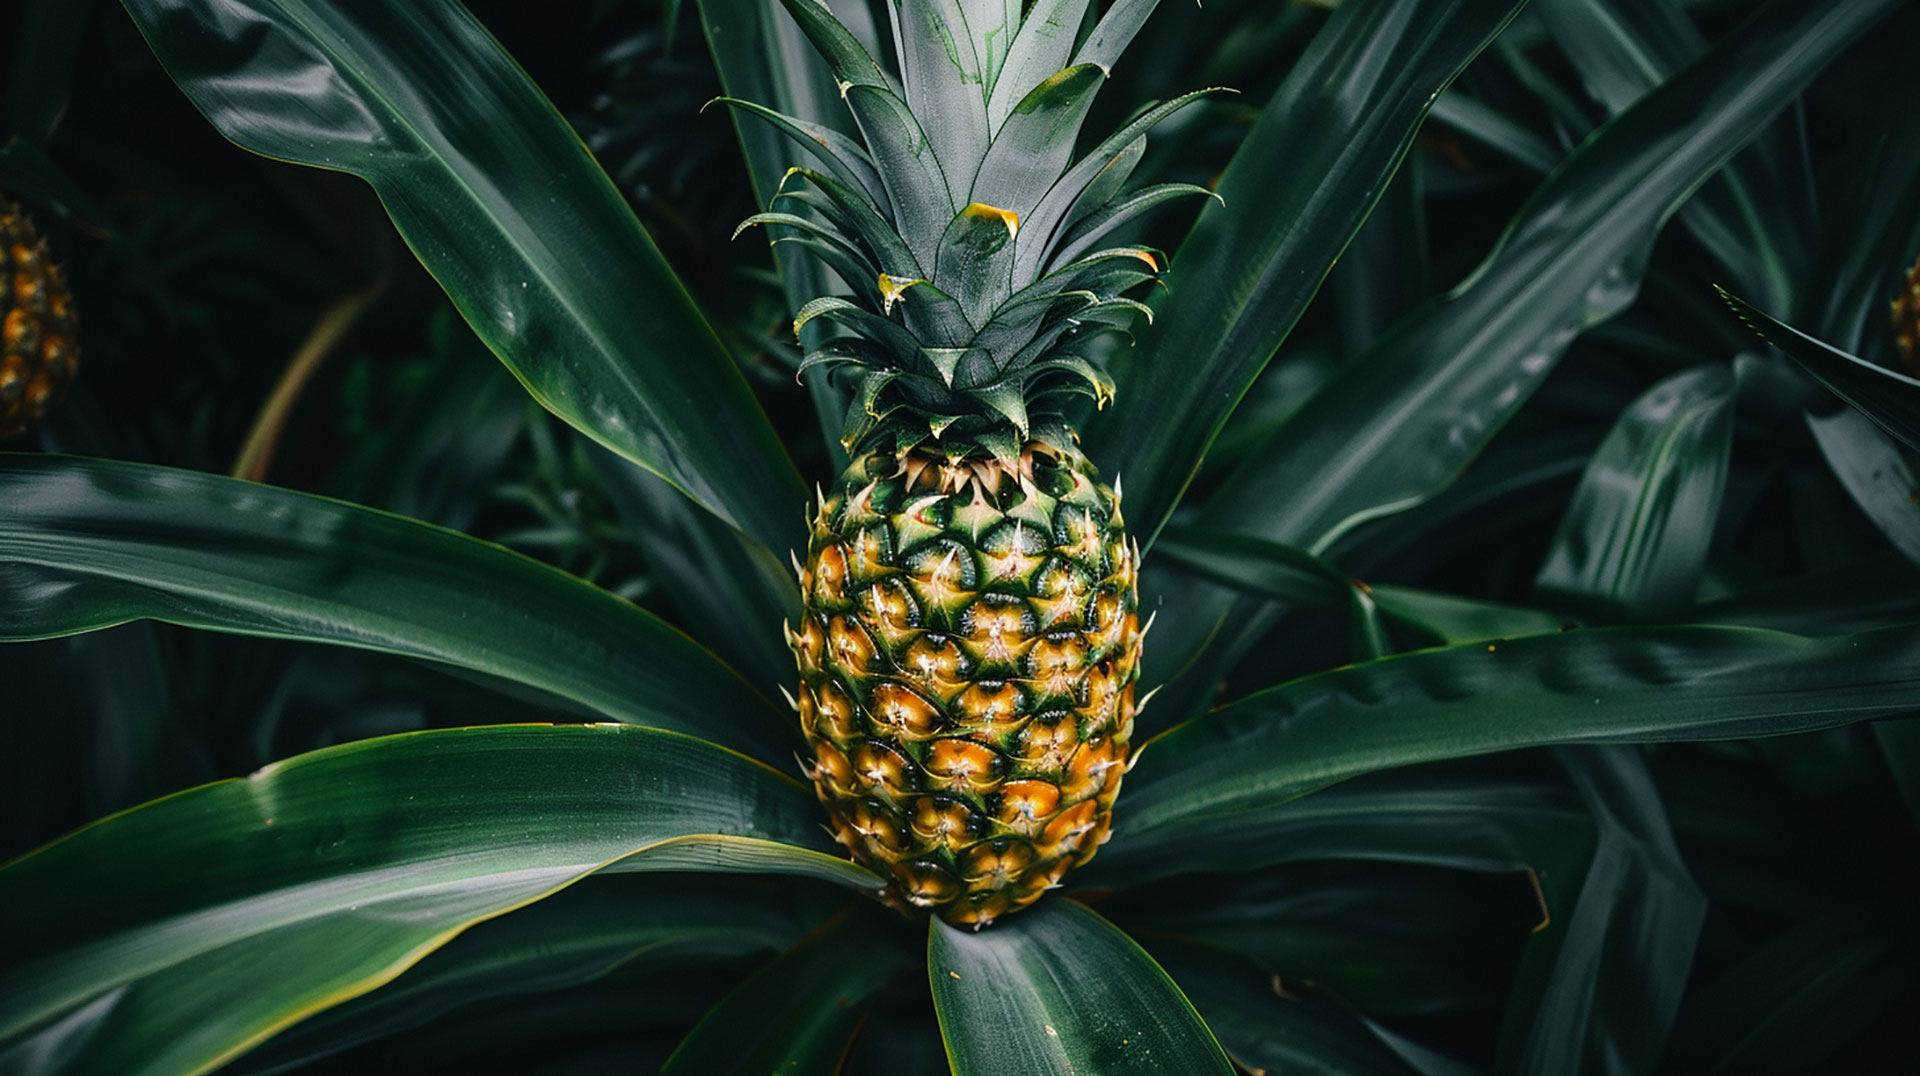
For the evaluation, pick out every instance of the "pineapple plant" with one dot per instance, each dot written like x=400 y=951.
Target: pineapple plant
x=39 y=353
x=1437 y=541
x=970 y=640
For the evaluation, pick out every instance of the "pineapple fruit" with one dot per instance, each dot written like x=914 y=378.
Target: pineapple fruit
x=38 y=352
x=970 y=639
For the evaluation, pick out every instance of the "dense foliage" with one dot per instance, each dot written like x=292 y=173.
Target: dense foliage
x=1519 y=451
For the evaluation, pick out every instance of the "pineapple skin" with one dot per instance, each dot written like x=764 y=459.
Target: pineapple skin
x=38 y=350
x=968 y=655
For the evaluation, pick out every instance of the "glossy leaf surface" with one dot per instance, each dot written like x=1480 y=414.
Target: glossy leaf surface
x=88 y=544
x=1403 y=420
x=1595 y=686
x=1294 y=195
x=1634 y=541
x=221 y=914
x=1890 y=399
x=600 y=925
x=1057 y=989
x=507 y=209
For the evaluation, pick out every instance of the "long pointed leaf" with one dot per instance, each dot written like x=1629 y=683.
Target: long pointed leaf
x=1593 y=686
x=87 y=544
x=1402 y=421
x=1296 y=192
x=1890 y=399
x=1634 y=541
x=504 y=205
x=220 y=914
x=1059 y=990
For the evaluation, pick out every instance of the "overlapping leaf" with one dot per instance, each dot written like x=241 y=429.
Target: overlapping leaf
x=174 y=936
x=88 y=544
x=504 y=205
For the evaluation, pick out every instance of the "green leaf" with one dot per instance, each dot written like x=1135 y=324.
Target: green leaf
x=1590 y=686
x=1057 y=989
x=1263 y=1031
x=1891 y=400
x=799 y=1012
x=1032 y=148
x=732 y=592
x=1876 y=471
x=1039 y=49
x=1285 y=574
x=1634 y=541
x=88 y=544
x=1411 y=816
x=183 y=932
x=1296 y=192
x=923 y=202
x=1601 y=996
x=945 y=82
x=597 y=926
x=1495 y=130
x=507 y=209
x=1402 y=421
x=1624 y=50
x=975 y=261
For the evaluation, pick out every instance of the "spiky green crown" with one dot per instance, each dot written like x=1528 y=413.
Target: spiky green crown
x=968 y=232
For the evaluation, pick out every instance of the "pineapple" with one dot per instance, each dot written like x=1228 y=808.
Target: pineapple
x=38 y=353
x=970 y=639
x=1906 y=319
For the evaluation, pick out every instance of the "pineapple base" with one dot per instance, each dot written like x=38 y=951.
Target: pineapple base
x=968 y=655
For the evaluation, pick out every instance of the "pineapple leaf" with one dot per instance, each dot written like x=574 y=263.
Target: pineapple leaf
x=846 y=209
x=1644 y=685
x=916 y=186
x=975 y=261
x=224 y=911
x=1033 y=146
x=851 y=64
x=1099 y=1001
x=1295 y=193
x=1108 y=180
x=1039 y=49
x=992 y=24
x=1891 y=399
x=845 y=156
x=935 y=317
x=224 y=555
x=1117 y=213
x=1115 y=32
x=1633 y=544
x=883 y=331
x=945 y=83
x=1070 y=196
x=502 y=203
x=1007 y=399
x=1450 y=377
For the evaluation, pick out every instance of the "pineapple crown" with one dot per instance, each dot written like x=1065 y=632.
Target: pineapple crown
x=965 y=228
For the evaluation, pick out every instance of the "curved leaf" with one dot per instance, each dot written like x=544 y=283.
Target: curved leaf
x=507 y=209
x=1590 y=686
x=87 y=544
x=176 y=935
x=1634 y=541
x=1602 y=995
x=1264 y=1031
x=600 y=925
x=1294 y=195
x=1890 y=399
x=1439 y=820
x=1059 y=990
x=1401 y=422
x=799 y=1012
